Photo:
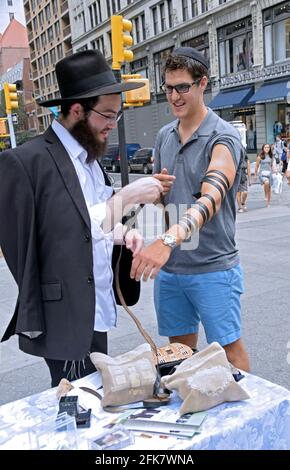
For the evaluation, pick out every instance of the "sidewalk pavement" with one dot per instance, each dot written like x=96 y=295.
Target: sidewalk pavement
x=263 y=240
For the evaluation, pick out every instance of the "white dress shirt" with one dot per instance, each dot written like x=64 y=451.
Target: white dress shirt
x=96 y=193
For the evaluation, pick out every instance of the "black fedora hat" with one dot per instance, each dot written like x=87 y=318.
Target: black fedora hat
x=85 y=74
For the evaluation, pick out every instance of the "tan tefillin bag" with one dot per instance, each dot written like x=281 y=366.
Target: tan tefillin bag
x=165 y=357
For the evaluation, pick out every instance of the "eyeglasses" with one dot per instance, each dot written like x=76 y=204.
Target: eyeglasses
x=180 y=88
x=109 y=118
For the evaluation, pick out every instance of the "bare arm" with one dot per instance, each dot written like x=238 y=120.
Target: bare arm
x=220 y=176
x=106 y=215
x=219 y=179
x=257 y=165
x=249 y=171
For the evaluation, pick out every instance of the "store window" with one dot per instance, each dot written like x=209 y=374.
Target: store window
x=236 y=47
x=248 y=117
x=276 y=22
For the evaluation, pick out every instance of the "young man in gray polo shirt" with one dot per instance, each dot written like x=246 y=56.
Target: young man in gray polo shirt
x=202 y=281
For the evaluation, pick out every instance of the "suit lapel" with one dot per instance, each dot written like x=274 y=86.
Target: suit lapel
x=68 y=173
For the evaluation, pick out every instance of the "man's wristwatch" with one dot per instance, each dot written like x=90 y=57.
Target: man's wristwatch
x=168 y=240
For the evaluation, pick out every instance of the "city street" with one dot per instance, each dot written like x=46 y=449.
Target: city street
x=263 y=240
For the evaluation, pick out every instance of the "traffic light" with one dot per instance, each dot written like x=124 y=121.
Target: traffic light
x=11 y=97
x=139 y=96
x=121 y=40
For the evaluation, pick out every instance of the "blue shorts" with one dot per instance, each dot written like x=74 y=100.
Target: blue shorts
x=183 y=300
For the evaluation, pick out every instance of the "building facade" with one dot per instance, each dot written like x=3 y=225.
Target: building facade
x=11 y=9
x=13 y=45
x=246 y=41
x=20 y=74
x=15 y=68
x=49 y=37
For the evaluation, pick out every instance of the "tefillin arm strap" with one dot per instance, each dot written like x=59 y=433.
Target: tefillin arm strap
x=212 y=200
x=219 y=180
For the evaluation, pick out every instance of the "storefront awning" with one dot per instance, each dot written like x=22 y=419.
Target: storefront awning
x=271 y=91
x=234 y=98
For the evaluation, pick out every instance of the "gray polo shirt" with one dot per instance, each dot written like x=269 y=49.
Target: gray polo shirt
x=216 y=249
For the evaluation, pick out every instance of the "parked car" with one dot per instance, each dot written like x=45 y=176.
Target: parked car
x=111 y=160
x=142 y=160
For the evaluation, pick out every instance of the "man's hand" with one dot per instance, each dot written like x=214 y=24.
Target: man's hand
x=150 y=260
x=134 y=241
x=142 y=191
x=165 y=179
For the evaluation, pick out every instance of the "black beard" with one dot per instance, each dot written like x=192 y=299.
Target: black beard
x=82 y=132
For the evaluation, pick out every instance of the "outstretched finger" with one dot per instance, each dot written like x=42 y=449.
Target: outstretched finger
x=147 y=271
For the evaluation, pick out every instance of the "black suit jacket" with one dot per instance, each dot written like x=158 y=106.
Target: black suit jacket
x=45 y=236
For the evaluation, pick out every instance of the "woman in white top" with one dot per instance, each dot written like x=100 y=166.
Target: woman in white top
x=265 y=167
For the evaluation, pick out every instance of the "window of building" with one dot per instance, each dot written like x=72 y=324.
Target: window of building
x=80 y=23
x=54 y=80
x=136 y=30
x=48 y=80
x=53 y=56
x=35 y=23
x=47 y=12
x=162 y=16
x=140 y=66
x=59 y=51
x=50 y=34
x=83 y=21
x=10 y=3
x=194 y=10
x=277 y=33
x=170 y=13
x=37 y=44
x=41 y=18
x=43 y=39
x=46 y=60
x=54 y=6
x=109 y=42
x=143 y=26
x=204 y=6
x=57 y=28
x=109 y=8
x=99 y=44
x=99 y=11
x=159 y=62
x=39 y=63
x=185 y=10
x=42 y=84
x=114 y=7
x=155 y=21
x=95 y=14
x=236 y=47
